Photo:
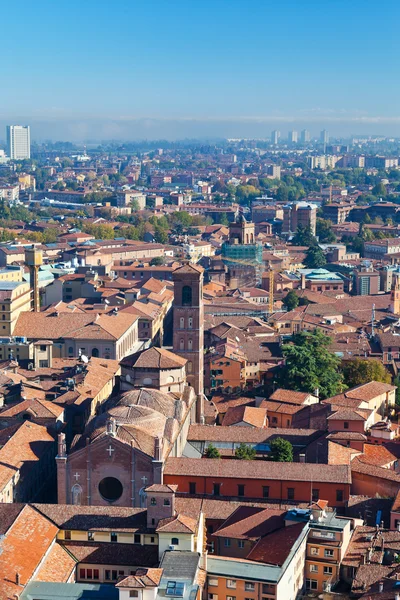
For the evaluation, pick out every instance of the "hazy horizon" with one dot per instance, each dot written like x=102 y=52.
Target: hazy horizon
x=208 y=68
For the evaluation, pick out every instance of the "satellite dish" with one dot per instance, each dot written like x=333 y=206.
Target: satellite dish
x=84 y=359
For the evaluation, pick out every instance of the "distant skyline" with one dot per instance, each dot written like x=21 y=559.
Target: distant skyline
x=209 y=68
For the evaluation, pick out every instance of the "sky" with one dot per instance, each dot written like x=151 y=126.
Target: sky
x=131 y=69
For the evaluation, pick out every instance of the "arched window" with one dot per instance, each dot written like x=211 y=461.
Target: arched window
x=247 y=238
x=190 y=323
x=189 y=366
x=95 y=352
x=70 y=350
x=175 y=541
x=190 y=344
x=186 y=295
x=76 y=494
x=182 y=322
x=182 y=345
x=142 y=497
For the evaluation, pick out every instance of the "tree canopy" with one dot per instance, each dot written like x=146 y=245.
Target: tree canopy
x=281 y=450
x=315 y=258
x=212 y=452
x=309 y=365
x=291 y=300
x=245 y=452
x=304 y=237
x=359 y=371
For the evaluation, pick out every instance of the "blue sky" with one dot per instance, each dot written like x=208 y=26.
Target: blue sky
x=109 y=69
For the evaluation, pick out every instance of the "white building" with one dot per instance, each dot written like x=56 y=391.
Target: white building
x=18 y=142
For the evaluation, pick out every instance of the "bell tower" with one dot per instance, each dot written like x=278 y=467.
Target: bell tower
x=188 y=335
x=395 y=296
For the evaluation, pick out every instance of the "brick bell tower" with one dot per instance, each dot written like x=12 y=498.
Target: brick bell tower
x=188 y=338
x=394 y=306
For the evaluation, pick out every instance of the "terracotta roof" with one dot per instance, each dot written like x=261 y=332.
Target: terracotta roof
x=243 y=469
x=37 y=407
x=289 y=396
x=26 y=542
x=249 y=434
x=110 y=553
x=374 y=471
x=274 y=548
x=251 y=523
x=154 y=358
x=177 y=524
x=57 y=566
x=377 y=455
x=345 y=414
x=256 y=417
x=94 y=518
x=143 y=578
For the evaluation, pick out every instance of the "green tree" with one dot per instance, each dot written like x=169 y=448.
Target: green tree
x=245 y=452
x=304 y=237
x=315 y=258
x=281 y=450
x=379 y=190
x=324 y=231
x=359 y=371
x=309 y=365
x=291 y=300
x=282 y=194
x=160 y=235
x=157 y=261
x=212 y=452
x=396 y=382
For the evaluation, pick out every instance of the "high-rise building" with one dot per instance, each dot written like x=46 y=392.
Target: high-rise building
x=299 y=214
x=324 y=137
x=275 y=135
x=18 y=142
x=292 y=137
x=305 y=136
x=242 y=255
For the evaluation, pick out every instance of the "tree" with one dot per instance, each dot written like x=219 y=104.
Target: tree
x=281 y=450
x=291 y=300
x=324 y=231
x=157 y=261
x=245 y=452
x=304 y=237
x=359 y=371
x=315 y=258
x=379 y=190
x=396 y=382
x=309 y=365
x=212 y=452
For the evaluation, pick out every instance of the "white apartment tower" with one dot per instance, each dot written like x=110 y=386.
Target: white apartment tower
x=275 y=135
x=305 y=136
x=18 y=142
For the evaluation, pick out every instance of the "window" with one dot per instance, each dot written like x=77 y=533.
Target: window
x=311 y=584
x=107 y=575
x=153 y=501
x=290 y=493
x=314 y=551
x=339 y=495
x=175 y=588
x=70 y=350
x=345 y=424
x=227 y=543
x=231 y=598
x=190 y=323
x=240 y=489
x=314 y=568
x=133 y=594
x=182 y=345
x=216 y=489
x=192 y=487
x=175 y=541
x=241 y=543
x=328 y=570
x=265 y=491
x=90 y=536
x=82 y=573
x=212 y=582
x=43 y=348
x=186 y=295
x=249 y=587
x=137 y=538
x=212 y=596
x=231 y=583
x=328 y=553
x=67 y=535
x=315 y=495
x=167 y=502
x=152 y=539
x=268 y=588
x=114 y=574
x=95 y=574
x=114 y=537
x=189 y=366
x=89 y=574
x=182 y=322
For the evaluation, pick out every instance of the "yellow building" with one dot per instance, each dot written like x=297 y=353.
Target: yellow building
x=11 y=273
x=15 y=298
